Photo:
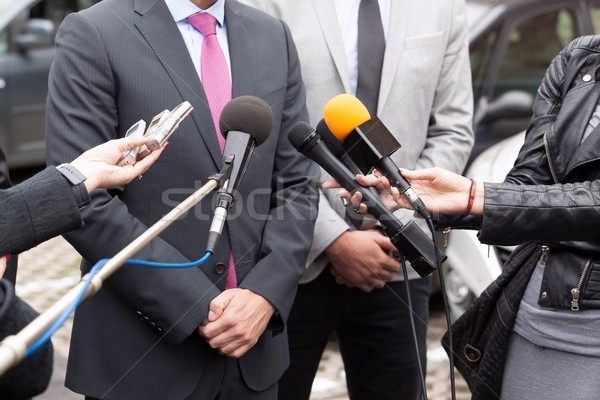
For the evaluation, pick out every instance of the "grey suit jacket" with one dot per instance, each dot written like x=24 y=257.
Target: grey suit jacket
x=425 y=98
x=122 y=60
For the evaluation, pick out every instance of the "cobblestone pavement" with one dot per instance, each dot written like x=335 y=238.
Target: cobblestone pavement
x=50 y=270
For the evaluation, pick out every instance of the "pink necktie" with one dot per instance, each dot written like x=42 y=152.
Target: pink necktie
x=213 y=69
x=217 y=87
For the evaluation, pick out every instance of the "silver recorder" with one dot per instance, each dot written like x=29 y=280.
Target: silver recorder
x=160 y=129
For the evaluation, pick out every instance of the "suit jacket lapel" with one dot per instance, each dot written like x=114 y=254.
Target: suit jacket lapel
x=327 y=18
x=163 y=36
x=242 y=51
x=394 y=50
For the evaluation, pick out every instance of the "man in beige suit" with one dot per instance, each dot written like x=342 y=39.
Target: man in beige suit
x=353 y=284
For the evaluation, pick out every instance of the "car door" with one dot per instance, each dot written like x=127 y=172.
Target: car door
x=26 y=54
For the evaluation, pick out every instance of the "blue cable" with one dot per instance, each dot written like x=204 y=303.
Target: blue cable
x=65 y=315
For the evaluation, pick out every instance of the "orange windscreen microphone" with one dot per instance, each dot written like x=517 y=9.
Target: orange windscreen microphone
x=368 y=143
x=343 y=113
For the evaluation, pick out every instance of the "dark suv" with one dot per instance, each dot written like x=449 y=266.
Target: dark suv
x=27 y=30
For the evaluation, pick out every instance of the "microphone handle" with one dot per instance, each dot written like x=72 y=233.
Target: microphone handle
x=409 y=239
x=390 y=170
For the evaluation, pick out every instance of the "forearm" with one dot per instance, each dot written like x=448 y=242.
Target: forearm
x=514 y=214
x=36 y=210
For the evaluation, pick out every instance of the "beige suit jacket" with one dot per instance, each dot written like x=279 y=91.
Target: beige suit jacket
x=425 y=98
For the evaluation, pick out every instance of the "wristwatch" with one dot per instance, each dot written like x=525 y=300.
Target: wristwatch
x=76 y=179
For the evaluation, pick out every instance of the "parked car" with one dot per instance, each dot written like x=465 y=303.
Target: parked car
x=512 y=43
x=27 y=31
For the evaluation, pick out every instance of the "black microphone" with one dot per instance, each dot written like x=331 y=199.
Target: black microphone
x=336 y=148
x=368 y=143
x=408 y=238
x=245 y=122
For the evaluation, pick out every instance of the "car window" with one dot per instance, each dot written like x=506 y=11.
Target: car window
x=26 y=54
x=481 y=53
x=532 y=45
x=57 y=10
x=595 y=14
x=4 y=42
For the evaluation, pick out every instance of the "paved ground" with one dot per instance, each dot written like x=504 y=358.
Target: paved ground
x=50 y=270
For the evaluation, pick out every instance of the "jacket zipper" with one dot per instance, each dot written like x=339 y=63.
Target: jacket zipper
x=544 y=256
x=548 y=155
x=575 y=292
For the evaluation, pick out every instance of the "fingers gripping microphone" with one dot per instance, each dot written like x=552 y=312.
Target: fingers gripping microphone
x=245 y=122
x=409 y=239
x=368 y=143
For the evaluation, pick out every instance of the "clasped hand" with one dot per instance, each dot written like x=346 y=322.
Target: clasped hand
x=236 y=320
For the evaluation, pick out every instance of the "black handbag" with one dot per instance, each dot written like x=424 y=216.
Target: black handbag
x=480 y=336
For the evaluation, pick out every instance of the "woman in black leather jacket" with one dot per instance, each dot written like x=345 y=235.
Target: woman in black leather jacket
x=541 y=339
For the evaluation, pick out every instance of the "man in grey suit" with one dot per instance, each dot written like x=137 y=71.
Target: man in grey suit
x=351 y=285
x=179 y=334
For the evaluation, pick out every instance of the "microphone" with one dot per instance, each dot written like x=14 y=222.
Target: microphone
x=336 y=148
x=368 y=143
x=245 y=122
x=409 y=239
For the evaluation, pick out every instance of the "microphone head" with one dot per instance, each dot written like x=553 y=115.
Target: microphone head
x=300 y=134
x=343 y=113
x=331 y=141
x=247 y=114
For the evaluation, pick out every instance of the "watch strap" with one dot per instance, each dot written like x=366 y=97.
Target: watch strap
x=76 y=179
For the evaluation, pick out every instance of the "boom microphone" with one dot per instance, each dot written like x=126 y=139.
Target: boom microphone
x=245 y=122
x=368 y=143
x=409 y=239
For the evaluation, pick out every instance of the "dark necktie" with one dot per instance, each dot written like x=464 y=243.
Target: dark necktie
x=371 y=48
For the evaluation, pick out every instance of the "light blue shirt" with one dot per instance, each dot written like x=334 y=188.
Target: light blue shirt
x=347 y=15
x=181 y=9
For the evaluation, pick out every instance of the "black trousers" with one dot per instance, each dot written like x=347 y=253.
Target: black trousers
x=374 y=334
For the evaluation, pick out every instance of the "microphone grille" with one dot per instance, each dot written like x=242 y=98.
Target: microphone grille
x=299 y=133
x=247 y=114
x=330 y=141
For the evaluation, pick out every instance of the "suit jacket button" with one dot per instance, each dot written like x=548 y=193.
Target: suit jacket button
x=220 y=268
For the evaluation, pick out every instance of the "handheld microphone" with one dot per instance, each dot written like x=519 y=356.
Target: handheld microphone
x=246 y=122
x=409 y=239
x=336 y=148
x=368 y=143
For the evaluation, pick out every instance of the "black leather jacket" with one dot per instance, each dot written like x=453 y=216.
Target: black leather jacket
x=558 y=224
x=553 y=153
x=565 y=220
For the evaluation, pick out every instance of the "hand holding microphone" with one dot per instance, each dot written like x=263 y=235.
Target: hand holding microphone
x=448 y=192
x=412 y=242
x=368 y=143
